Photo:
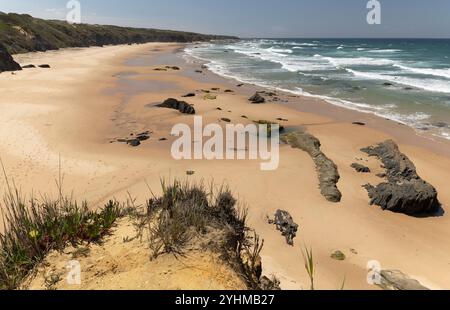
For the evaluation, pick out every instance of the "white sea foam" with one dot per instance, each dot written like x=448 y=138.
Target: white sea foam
x=358 y=61
x=303 y=64
x=426 y=71
x=431 y=85
x=385 y=51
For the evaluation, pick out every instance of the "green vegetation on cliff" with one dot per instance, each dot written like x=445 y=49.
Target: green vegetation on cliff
x=22 y=33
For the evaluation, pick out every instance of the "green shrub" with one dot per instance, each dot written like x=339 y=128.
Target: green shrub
x=33 y=228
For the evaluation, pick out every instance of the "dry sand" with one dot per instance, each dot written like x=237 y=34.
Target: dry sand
x=71 y=112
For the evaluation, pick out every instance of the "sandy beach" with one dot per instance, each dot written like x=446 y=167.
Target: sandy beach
x=67 y=118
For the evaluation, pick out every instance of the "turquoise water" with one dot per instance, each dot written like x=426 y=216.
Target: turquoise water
x=403 y=80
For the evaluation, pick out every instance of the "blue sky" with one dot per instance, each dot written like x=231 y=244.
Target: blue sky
x=258 y=18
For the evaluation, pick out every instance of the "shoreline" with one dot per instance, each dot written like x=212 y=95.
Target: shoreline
x=101 y=94
x=404 y=133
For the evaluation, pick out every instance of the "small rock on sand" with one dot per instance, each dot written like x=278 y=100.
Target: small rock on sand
x=285 y=223
x=338 y=255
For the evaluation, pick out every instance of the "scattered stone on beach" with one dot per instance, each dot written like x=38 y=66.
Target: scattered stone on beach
x=209 y=97
x=327 y=170
x=7 y=62
x=28 y=67
x=174 y=68
x=136 y=140
x=198 y=71
x=240 y=85
x=338 y=255
x=360 y=168
x=181 y=106
x=359 y=123
x=160 y=69
x=215 y=88
x=163 y=139
x=382 y=175
x=244 y=116
x=226 y=120
x=405 y=192
x=219 y=109
x=44 y=66
x=190 y=172
x=257 y=99
x=409 y=88
x=204 y=67
x=207 y=91
x=395 y=280
x=387 y=84
x=285 y=223
x=188 y=95
x=282 y=119
x=228 y=91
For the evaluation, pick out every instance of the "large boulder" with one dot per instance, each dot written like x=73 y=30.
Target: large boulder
x=405 y=192
x=7 y=62
x=181 y=106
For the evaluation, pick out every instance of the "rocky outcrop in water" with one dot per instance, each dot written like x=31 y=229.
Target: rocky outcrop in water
x=405 y=191
x=7 y=62
x=326 y=169
x=181 y=106
x=284 y=222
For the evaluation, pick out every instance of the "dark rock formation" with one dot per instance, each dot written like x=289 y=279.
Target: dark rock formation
x=181 y=106
x=257 y=99
x=134 y=142
x=226 y=120
x=284 y=222
x=44 y=66
x=405 y=192
x=395 y=280
x=360 y=168
x=188 y=95
x=7 y=62
x=326 y=169
x=359 y=123
x=29 y=67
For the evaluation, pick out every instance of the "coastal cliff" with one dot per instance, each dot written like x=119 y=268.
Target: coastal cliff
x=21 y=33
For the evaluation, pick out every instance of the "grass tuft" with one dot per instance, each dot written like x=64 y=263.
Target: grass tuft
x=33 y=228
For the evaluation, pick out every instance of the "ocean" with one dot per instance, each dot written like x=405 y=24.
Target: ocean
x=406 y=80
